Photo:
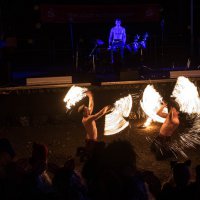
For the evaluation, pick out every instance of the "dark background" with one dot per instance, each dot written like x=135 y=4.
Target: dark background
x=35 y=45
x=39 y=115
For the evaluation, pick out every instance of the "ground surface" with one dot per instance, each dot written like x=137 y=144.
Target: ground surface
x=38 y=115
x=63 y=139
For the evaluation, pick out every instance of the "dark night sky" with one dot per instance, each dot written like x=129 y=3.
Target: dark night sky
x=174 y=12
x=18 y=18
x=14 y=13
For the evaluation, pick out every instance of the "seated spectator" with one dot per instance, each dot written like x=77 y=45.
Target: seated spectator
x=195 y=186
x=153 y=184
x=11 y=174
x=7 y=155
x=37 y=183
x=114 y=175
x=68 y=184
x=177 y=186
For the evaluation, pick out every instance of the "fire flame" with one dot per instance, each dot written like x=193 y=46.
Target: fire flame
x=74 y=95
x=147 y=122
x=114 y=121
x=188 y=139
x=186 y=95
x=150 y=103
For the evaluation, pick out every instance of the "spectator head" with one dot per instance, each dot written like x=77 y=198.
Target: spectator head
x=181 y=172
x=120 y=156
x=6 y=147
x=197 y=169
x=39 y=153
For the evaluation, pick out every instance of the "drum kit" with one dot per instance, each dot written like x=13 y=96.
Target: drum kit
x=137 y=46
x=139 y=43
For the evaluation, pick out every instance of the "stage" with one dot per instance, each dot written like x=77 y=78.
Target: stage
x=107 y=73
x=44 y=96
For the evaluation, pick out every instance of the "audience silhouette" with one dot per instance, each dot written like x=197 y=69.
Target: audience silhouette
x=109 y=171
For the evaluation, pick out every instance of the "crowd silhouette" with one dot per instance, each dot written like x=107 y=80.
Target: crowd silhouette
x=108 y=171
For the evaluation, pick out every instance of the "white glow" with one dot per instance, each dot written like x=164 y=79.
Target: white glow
x=74 y=95
x=151 y=102
x=147 y=122
x=188 y=139
x=114 y=121
x=186 y=95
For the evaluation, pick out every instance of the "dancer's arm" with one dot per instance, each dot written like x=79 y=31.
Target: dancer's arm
x=102 y=112
x=91 y=101
x=160 y=111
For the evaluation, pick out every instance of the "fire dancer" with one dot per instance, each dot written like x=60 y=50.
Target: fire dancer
x=89 y=119
x=161 y=143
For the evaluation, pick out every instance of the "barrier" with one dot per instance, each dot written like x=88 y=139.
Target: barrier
x=49 y=80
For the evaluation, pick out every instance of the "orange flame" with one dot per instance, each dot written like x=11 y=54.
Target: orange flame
x=114 y=121
x=74 y=95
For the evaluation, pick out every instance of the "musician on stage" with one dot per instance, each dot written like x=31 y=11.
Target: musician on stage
x=117 y=39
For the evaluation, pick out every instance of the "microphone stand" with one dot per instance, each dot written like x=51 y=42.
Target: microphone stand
x=93 y=58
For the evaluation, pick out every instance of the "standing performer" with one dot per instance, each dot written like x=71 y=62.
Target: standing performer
x=117 y=39
x=161 y=143
x=89 y=119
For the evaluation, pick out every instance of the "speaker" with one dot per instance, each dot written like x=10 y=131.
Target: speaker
x=5 y=74
x=83 y=78
x=129 y=75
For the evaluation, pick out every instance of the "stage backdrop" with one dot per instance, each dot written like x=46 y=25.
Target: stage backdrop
x=99 y=13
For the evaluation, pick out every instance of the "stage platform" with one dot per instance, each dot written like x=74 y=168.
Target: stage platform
x=43 y=96
x=47 y=99
x=93 y=84
x=41 y=77
x=38 y=79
